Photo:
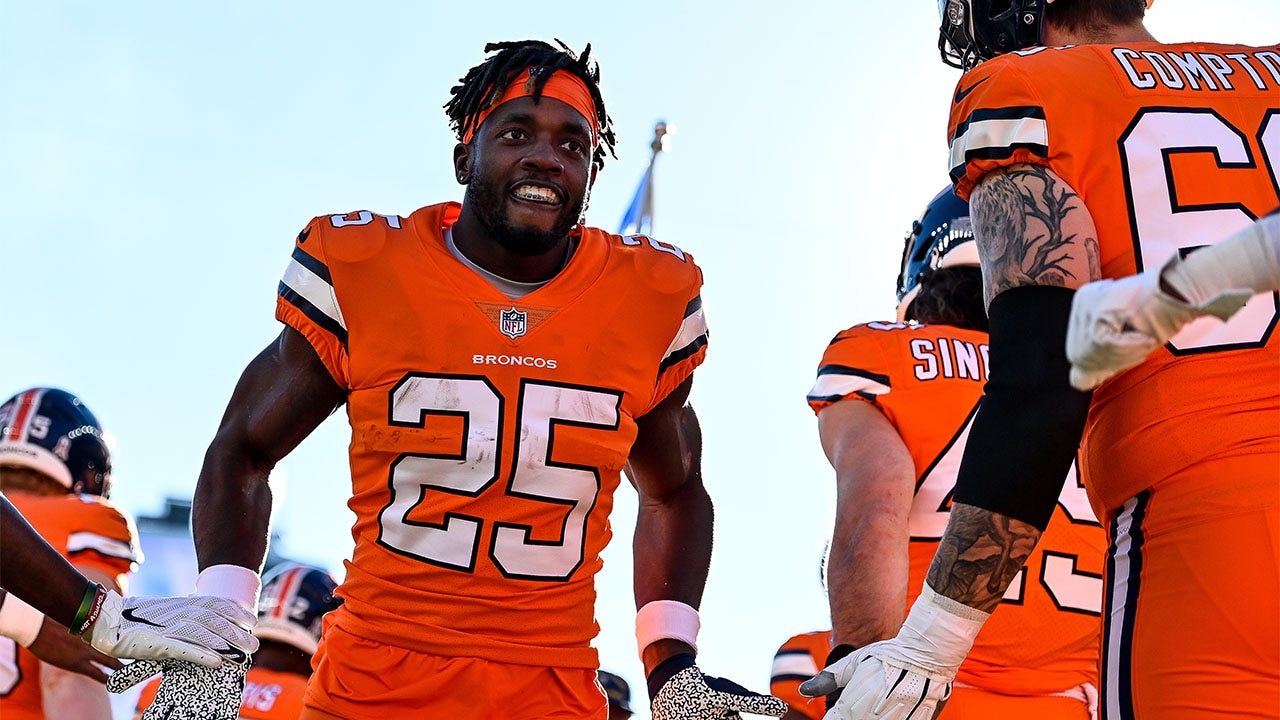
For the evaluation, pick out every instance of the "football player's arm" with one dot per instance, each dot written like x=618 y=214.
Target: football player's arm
x=32 y=570
x=672 y=553
x=71 y=695
x=672 y=543
x=282 y=396
x=868 y=564
x=1037 y=243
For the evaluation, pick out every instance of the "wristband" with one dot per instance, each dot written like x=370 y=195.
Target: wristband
x=667 y=619
x=19 y=621
x=90 y=607
x=232 y=582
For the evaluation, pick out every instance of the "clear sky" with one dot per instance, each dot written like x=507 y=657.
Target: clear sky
x=158 y=159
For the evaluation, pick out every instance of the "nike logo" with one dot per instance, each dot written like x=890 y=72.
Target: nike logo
x=302 y=236
x=128 y=614
x=962 y=94
x=230 y=653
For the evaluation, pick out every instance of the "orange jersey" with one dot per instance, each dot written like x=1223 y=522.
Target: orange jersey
x=268 y=695
x=488 y=434
x=799 y=659
x=1170 y=147
x=927 y=380
x=90 y=532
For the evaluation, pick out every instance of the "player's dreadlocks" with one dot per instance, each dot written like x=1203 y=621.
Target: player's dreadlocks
x=485 y=83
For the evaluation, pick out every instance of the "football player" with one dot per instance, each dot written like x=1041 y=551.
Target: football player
x=295 y=599
x=501 y=363
x=1089 y=150
x=895 y=402
x=56 y=469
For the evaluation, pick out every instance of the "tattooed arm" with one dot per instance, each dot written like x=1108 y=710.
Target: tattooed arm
x=1032 y=229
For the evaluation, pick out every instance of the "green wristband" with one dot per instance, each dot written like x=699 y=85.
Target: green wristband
x=80 y=623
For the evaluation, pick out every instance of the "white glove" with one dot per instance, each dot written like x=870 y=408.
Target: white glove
x=196 y=628
x=680 y=691
x=1115 y=324
x=187 y=691
x=907 y=677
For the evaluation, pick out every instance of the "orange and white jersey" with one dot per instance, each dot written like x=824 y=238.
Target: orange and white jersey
x=1171 y=147
x=268 y=695
x=928 y=380
x=799 y=659
x=488 y=434
x=93 y=534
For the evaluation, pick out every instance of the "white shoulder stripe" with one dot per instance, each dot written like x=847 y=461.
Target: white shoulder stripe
x=998 y=133
x=314 y=289
x=693 y=327
x=794 y=664
x=837 y=385
x=110 y=547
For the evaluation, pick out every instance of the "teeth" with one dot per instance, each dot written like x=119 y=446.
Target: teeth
x=536 y=194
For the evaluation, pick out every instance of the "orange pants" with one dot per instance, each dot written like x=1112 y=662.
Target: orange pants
x=358 y=679
x=1193 y=597
x=971 y=703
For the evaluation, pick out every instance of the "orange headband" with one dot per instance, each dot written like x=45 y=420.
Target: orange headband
x=563 y=86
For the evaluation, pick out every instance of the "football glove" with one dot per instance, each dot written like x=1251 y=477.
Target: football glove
x=1115 y=324
x=187 y=691
x=196 y=628
x=679 y=691
x=908 y=677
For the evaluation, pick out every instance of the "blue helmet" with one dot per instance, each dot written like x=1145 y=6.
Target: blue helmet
x=942 y=237
x=294 y=601
x=976 y=30
x=51 y=431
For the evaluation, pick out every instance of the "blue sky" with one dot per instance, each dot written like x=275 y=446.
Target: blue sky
x=160 y=157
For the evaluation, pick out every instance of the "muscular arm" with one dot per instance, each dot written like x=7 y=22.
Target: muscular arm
x=282 y=396
x=672 y=544
x=1032 y=229
x=868 y=567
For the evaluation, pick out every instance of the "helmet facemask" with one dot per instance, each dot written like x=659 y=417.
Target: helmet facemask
x=976 y=30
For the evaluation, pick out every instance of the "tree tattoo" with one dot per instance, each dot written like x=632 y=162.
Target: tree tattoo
x=1019 y=214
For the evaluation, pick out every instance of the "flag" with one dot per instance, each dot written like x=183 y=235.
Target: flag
x=638 y=219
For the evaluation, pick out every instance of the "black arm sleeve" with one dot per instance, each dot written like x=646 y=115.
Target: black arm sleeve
x=1028 y=428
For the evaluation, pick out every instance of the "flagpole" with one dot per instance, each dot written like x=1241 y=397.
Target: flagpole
x=658 y=145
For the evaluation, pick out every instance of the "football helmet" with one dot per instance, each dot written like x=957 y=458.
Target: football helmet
x=294 y=600
x=942 y=237
x=977 y=30
x=51 y=431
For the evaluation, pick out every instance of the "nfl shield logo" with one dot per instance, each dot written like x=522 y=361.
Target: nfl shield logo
x=513 y=323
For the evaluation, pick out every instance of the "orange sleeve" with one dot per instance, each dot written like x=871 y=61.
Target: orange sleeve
x=307 y=302
x=103 y=538
x=854 y=366
x=688 y=347
x=997 y=121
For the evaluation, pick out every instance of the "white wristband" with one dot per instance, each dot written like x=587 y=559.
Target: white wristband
x=19 y=621
x=667 y=620
x=238 y=584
